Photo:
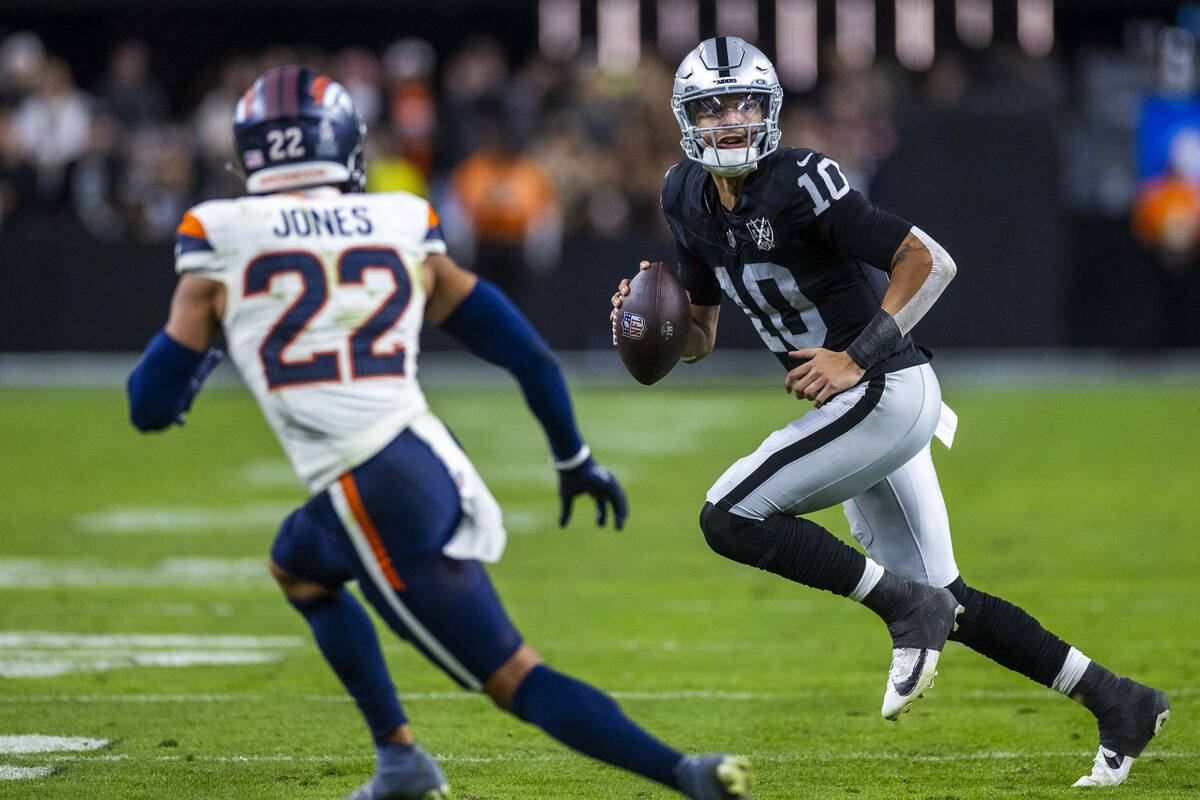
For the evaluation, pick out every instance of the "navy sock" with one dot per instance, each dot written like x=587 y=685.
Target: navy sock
x=393 y=756
x=347 y=639
x=589 y=721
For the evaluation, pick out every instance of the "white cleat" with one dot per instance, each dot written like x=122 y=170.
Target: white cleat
x=1109 y=769
x=912 y=672
x=918 y=636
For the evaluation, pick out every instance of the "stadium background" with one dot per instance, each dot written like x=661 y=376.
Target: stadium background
x=1017 y=151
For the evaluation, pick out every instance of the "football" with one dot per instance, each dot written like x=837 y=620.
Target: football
x=652 y=324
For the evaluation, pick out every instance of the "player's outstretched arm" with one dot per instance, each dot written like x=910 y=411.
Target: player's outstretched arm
x=702 y=332
x=482 y=317
x=178 y=359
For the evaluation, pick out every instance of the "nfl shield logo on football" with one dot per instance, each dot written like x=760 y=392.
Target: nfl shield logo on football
x=253 y=159
x=633 y=326
x=763 y=233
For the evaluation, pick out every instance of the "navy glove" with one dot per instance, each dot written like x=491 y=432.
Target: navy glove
x=591 y=478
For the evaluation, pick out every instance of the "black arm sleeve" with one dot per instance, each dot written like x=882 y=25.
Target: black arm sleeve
x=854 y=226
x=695 y=276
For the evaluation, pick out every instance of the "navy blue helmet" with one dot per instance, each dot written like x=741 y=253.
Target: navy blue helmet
x=295 y=128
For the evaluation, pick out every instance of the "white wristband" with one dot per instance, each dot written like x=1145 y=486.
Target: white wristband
x=574 y=461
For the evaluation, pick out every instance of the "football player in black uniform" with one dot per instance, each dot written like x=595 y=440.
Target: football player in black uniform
x=834 y=286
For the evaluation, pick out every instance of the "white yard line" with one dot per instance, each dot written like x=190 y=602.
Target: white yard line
x=33 y=743
x=762 y=757
x=266 y=473
x=41 y=654
x=141 y=519
x=669 y=695
x=108 y=640
x=40 y=573
x=130 y=698
x=22 y=664
x=8 y=773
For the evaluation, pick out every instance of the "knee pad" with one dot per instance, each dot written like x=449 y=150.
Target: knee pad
x=730 y=535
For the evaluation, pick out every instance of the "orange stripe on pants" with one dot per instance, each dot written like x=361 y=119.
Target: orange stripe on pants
x=364 y=522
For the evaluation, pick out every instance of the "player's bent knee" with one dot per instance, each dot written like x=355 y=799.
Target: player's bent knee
x=724 y=533
x=296 y=588
x=503 y=683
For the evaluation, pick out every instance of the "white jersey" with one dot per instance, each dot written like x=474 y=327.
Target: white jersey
x=323 y=313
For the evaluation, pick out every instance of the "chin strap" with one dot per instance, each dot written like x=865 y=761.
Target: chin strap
x=731 y=172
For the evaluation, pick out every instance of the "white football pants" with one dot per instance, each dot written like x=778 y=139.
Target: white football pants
x=868 y=449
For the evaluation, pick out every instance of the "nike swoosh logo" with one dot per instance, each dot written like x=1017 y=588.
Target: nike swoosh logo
x=805 y=161
x=910 y=682
x=1114 y=761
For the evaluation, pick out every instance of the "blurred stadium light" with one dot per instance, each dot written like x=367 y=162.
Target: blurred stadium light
x=973 y=21
x=618 y=34
x=856 y=32
x=558 y=28
x=914 y=33
x=796 y=44
x=1035 y=26
x=738 y=18
x=678 y=26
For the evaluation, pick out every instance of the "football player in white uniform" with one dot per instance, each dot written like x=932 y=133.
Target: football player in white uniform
x=321 y=293
x=834 y=285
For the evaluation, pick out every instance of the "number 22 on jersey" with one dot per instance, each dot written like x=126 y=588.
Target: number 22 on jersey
x=351 y=270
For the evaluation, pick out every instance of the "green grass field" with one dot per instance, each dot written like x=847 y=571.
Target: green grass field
x=1080 y=504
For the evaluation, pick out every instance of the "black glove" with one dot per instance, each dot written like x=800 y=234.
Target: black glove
x=591 y=478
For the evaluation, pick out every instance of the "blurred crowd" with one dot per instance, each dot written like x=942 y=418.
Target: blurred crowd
x=518 y=153
x=514 y=155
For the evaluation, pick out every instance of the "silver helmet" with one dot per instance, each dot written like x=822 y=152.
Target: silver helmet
x=727 y=69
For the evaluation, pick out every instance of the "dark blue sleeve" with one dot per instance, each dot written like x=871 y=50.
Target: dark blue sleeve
x=491 y=327
x=159 y=386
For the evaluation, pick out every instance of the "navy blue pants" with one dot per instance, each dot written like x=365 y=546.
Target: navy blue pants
x=403 y=507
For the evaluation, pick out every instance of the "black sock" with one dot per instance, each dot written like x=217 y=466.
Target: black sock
x=1096 y=690
x=1008 y=635
x=795 y=548
x=889 y=598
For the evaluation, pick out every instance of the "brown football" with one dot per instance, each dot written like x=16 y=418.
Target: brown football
x=652 y=324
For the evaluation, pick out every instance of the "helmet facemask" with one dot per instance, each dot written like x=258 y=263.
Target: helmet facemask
x=729 y=132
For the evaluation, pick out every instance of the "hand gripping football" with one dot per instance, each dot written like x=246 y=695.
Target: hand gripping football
x=652 y=324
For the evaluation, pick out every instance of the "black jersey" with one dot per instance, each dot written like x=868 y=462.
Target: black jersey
x=801 y=252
